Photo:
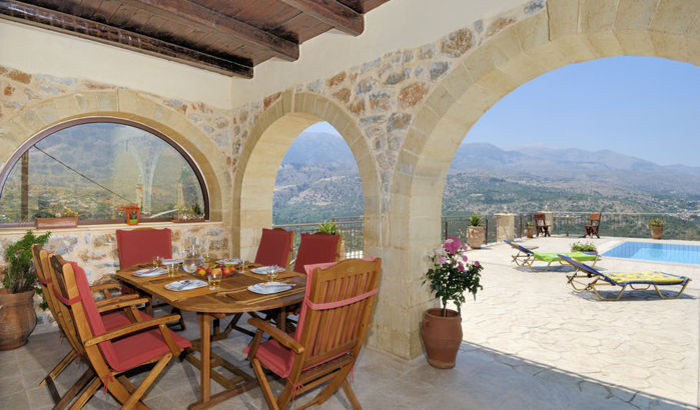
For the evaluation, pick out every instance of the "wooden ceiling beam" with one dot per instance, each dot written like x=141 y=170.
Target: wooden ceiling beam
x=280 y=47
x=333 y=13
x=56 y=21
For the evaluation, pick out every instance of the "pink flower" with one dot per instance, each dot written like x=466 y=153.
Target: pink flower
x=464 y=257
x=443 y=260
x=477 y=264
x=452 y=245
x=460 y=267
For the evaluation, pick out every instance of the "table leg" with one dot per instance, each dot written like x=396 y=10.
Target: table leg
x=205 y=351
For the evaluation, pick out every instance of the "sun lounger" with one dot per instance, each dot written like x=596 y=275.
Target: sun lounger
x=526 y=257
x=633 y=280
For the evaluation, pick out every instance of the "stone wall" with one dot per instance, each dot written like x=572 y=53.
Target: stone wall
x=95 y=247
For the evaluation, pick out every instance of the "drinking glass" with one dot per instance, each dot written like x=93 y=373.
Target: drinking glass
x=214 y=279
x=157 y=261
x=191 y=260
x=272 y=273
x=172 y=269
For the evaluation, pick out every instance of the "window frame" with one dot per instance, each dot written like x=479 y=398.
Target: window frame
x=17 y=156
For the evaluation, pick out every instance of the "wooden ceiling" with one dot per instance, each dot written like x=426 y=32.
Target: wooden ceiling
x=226 y=36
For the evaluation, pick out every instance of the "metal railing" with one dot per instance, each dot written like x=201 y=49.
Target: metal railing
x=350 y=228
x=682 y=226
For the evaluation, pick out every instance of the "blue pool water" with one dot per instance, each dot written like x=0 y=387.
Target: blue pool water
x=660 y=252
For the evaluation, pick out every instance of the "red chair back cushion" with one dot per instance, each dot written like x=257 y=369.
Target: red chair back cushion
x=142 y=245
x=275 y=247
x=93 y=316
x=316 y=248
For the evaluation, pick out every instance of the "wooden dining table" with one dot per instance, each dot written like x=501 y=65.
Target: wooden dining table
x=232 y=297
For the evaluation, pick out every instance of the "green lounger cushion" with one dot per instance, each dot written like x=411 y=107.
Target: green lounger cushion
x=554 y=256
x=659 y=278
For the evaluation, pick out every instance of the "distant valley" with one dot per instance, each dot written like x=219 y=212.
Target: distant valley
x=318 y=179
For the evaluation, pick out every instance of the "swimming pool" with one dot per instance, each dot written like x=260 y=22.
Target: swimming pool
x=660 y=252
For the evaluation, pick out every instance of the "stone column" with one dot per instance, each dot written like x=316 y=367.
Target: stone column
x=505 y=227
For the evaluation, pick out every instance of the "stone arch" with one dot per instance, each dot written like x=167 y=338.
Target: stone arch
x=127 y=105
x=564 y=32
x=273 y=133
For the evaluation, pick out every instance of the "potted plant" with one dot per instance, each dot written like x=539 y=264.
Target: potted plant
x=66 y=219
x=656 y=225
x=529 y=229
x=475 y=232
x=449 y=277
x=330 y=228
x=17 y=316
x=584 y=247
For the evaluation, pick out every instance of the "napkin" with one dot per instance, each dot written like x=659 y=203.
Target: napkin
x=148 y=272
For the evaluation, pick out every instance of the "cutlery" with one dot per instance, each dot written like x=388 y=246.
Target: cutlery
x=183 y=284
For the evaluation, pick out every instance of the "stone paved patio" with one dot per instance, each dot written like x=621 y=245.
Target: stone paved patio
x=530 y=342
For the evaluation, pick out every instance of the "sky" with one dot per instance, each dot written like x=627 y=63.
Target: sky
x=644 y=107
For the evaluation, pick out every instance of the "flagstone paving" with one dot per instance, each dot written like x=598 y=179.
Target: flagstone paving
x=529 y=343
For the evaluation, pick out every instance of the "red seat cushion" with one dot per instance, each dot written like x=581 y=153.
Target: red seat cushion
x=275 y=247
x=136 y=349
x=127 y=352
x=316 y=248
x=142 y=245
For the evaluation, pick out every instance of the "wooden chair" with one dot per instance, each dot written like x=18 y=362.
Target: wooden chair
x=111 y=353
x=593 y=226
x=334 y=319
x=541 y=225
x=275 y=247
x=141 y=245
x=138 y=246
x=316 y=248
x=112 y=320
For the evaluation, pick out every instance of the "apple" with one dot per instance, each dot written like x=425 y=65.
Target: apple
x=226 y=270
x=201 y=271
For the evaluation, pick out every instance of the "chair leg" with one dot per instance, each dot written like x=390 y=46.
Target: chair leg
x=351 y=395
x=331 y=387
x=75 y=389
x=87 y=394
x=264 y=385
x=181 y=322
x=60 y=367
x=146 y=383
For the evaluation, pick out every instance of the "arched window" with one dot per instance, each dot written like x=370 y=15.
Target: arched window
x=94 y=165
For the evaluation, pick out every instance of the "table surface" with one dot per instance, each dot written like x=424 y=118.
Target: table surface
x=232 y=297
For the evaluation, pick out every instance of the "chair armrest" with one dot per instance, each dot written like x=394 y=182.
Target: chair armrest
x=107 y=301
x=283 y=338
x=121 y=304
x=105 y=286
x=132 y=328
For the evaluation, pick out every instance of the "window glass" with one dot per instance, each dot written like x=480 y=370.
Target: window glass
x=92 y=169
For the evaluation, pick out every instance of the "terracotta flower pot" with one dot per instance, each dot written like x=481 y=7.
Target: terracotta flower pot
x=441 y=337
x=17 y=318
x=475 y=236
x=657 y=232
x=530 y=231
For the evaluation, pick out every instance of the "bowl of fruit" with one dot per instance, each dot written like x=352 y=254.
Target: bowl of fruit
x=226 y=270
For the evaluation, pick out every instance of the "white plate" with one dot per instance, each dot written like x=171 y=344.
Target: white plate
x=264 y=270
x=268 y=288
x=188 y=284
x=171 y=261
x=150 y=272
x=229 y=262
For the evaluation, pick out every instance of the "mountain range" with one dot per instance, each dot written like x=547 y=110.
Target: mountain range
x=318 y=179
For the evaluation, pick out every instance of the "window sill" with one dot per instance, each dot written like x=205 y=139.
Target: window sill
x=105 y=227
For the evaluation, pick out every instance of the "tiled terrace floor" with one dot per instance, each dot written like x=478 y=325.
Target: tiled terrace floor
x=530 y=343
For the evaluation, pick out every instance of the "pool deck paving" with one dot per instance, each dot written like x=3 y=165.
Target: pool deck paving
x=530 y=342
